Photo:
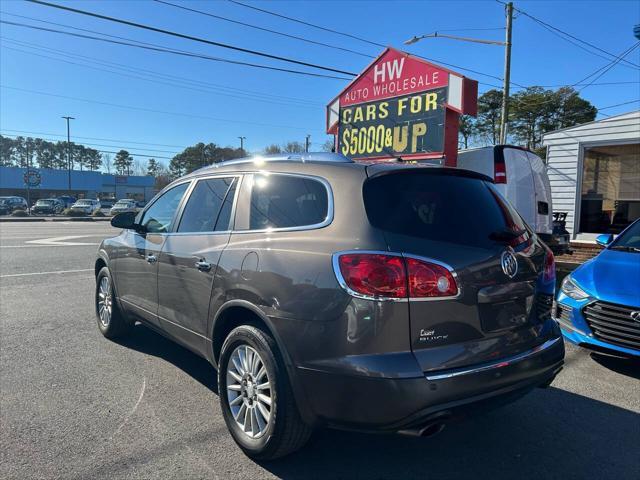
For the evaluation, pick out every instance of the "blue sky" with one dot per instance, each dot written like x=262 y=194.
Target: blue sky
x=224 y=101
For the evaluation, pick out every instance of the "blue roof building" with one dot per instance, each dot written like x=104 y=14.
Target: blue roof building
x=47 y=182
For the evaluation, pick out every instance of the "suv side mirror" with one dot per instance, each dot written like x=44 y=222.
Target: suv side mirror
x=124 y=220
x=604 y=239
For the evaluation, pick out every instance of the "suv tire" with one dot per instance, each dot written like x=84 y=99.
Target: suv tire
x=284 y=431
x=111 y=321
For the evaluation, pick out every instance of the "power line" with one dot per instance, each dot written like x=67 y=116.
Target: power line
x=567 y=34
x=182 y=79
x=144 y=109
x=599 y=72
x=155 y=47
x=637 y=100
x=458 y=67
x=110 y=151
x=94 y=138
x=275 y=32
x=557 y=85
x=191 y=37
x=98 y=145
x=174 y=51
x=164 y=81
x=607 y=67
x=308 y=24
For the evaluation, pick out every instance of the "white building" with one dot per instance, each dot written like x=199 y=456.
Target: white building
x=594 y=169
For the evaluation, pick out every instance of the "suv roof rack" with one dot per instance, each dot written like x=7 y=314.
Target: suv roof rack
x=286 y=157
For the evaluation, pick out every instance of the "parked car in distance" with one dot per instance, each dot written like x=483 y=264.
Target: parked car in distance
x=333 y=293
x=124 y=205
x=86 y=205
x=141 y=204
x=68 y=201
x=521 y=177
x=9 y=204
x=47 y=206
x=107 y=202
x=598 y=305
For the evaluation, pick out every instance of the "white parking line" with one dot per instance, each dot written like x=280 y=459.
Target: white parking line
x=54 y=241
x=46 y=273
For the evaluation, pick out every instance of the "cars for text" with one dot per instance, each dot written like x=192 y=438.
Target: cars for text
x=388 y=297
x=598 y=306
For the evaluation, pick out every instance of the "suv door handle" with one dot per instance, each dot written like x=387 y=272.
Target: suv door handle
x=203 y=266
x=152 y=258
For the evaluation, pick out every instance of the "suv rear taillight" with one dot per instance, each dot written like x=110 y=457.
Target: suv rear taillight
x=499 y=171
x=428 y=279
x=384 y=276
x=374 y=275
x=549 y=274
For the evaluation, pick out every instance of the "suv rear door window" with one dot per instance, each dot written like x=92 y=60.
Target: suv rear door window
x=204 y=211
x=285 y=201
x=439 y=206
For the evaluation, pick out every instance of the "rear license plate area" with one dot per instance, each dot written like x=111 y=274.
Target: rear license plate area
x=506 y=315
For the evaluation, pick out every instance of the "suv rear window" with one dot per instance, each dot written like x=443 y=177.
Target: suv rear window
x=285 y=201
x=439 y=206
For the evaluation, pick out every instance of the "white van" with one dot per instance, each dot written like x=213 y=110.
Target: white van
x=521 y=176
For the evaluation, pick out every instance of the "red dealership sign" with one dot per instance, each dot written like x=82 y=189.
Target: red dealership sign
x=401 y=106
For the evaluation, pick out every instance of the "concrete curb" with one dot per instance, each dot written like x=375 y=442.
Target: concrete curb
x=54 y=219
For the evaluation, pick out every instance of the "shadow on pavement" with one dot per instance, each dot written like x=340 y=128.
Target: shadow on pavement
x=150 y=342
x=550 y=433
x=624 y=366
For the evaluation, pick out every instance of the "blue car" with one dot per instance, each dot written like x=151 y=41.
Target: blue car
x=598 y=306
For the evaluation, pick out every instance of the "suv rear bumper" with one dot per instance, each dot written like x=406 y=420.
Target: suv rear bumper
x=395 y=404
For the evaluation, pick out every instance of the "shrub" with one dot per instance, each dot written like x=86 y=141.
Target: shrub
x=20 y=212
x=98 y=213
x=73 y=213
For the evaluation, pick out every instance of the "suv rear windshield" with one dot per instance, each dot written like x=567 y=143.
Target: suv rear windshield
x=439 y=206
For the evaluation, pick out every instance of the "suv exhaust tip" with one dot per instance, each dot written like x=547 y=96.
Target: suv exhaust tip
x=428 y=429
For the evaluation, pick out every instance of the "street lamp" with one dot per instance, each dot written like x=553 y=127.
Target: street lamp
x=507 y=63
x=69 y=164
x=454 y=37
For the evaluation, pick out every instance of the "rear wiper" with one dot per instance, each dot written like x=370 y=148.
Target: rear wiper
x=506 y=235
x=625 y=248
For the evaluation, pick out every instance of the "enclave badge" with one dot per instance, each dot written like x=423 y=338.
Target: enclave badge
x=509 y=263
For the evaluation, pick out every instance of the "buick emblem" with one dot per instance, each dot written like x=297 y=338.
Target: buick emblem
x=635 y=316
x=509 y=263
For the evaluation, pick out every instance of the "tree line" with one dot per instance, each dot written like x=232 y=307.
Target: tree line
x=533 y=112
x=37 y=152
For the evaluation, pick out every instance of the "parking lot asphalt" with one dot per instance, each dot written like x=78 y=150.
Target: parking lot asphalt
x=75 y=405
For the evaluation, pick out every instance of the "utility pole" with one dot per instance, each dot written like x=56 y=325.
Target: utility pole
x=507 y=76
x=307 y=143
x=28 y=180
x=242 y=139
x=507 y=62
x=69 y=162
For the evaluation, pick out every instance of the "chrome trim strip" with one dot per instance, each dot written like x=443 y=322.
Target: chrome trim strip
x=499 y=364
x=571 y=328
